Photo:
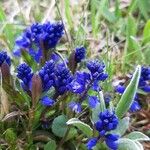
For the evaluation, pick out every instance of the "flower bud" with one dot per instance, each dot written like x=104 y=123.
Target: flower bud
x=5 y=70
x=36 y=89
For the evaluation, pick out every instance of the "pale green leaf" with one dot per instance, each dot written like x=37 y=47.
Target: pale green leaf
x=128 y=96
x=139 y=136
x=122 y=126
x=85 y=128
x=127 y=144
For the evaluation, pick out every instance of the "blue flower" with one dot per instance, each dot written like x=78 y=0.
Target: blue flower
x=135 y=106
x=91 y=143
x=75 y=107
x=25 y=74
x=93 y=101
x=79 y=54
x=120 y=89
x=107 y=121
x=63 y=78
x=146 y=88
x=144 y=79
x=79 y=84
x=96 y=68
x=112 y=141
x=46 y=101
x=47 y=74
x=38 y=38
x=4 y=58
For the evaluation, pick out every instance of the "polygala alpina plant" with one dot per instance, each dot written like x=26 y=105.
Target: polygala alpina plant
x=58 y=101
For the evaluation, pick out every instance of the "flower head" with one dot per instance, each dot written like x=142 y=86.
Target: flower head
x=63 y=78
x=47 y=75
x=4 y=58
x=107 y=121
x=25 y=74
x=79 y=54
x=97 y=70
x=39 y=37
x=145 y=79
x=79 y=84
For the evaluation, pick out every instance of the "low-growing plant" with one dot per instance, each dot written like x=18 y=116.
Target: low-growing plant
x=57 y=101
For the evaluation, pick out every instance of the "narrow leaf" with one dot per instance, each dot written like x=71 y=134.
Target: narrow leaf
x=129 y=94
x=146 y=32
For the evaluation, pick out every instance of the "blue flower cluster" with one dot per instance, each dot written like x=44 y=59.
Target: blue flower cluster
x=80 y=54
x=24 y=73
x=83 y=81
x=107 y=121
x=4 y=58
x=47 y=75
x=63 y=78
x=144 y=83
x=39 y=37
x=96 y=68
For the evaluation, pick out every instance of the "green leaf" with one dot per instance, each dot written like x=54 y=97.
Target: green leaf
x=68 y=13
x=59 y=126
x=86 y=129
x=131 y=32
x=110 y=16
x=144 y=8
x=146 y=32
x=2 y=14
x=122 y=126
x=51 y=145
x=128 y=96
x=95 y=113
x=10 y=135
x=127 y=144
x=139 y=136
x=102 y=101
x=29 y=60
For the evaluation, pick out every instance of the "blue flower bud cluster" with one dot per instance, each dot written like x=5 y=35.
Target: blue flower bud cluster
x=96 y=69
x=144 y=83
x=47 y=75
x=107 y=121
x=39 y=37
x=4 y=58
x=63 y=78
x=80 y=53
x=24 y=73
